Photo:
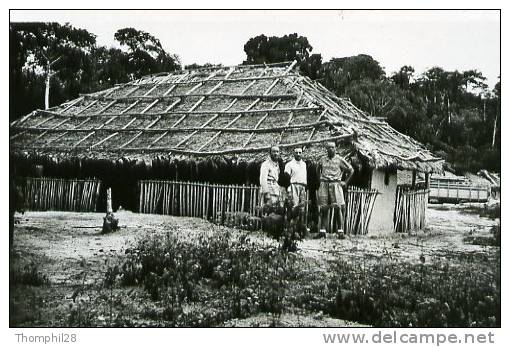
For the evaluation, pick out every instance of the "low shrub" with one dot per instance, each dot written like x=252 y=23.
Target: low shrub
x=284 y=224
x=27 y=274
x=235 y=276
x=394 y=294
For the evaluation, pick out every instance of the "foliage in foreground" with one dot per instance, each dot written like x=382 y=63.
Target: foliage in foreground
x=428 y=294
x=222 y=277
x=26 y=274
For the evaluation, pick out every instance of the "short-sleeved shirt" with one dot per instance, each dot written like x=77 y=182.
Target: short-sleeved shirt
x=332 y=168
x=297 y=171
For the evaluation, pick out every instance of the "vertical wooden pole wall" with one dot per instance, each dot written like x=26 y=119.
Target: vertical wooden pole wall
x=411 y=209
x=42 y=194
x=234 y=205
x=358 y=210
x=225 y=204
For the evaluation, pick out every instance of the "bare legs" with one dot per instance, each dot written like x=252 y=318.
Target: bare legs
x=331 y=218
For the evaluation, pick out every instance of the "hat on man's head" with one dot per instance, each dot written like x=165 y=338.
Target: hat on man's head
x=330 y=144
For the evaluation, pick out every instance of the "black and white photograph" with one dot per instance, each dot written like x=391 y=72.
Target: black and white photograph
x=255 y=168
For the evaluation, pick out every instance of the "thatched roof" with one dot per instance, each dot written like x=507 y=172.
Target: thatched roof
x=235 y=111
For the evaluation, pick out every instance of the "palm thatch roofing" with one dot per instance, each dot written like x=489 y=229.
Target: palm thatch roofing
x=237 y=111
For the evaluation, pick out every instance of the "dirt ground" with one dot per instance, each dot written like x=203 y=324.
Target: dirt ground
x=71 y=251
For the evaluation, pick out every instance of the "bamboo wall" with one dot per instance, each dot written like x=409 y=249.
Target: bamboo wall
x=42 y=194
x=236 y=205
x=358 y=210
x=410 y=209
x=225 y=204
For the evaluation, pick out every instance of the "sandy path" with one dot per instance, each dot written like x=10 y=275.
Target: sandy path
x=448 y=225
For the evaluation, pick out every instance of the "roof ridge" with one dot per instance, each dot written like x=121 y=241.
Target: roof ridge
x=282 y=64
x=249 y=66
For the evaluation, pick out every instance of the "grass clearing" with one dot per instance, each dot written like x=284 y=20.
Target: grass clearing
x=170 y=271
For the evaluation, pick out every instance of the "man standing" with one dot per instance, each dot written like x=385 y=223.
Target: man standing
x=296 y=168
x=330 y=193
x=269 y=172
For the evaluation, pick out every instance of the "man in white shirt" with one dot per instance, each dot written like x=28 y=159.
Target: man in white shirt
x=269 y=172
x=296 y=168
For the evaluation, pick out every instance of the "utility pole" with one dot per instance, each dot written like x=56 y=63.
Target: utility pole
x=49 y=74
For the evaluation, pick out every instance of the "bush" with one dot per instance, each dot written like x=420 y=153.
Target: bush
x=392 y=294
x=236 y=277
x=284 y=224
x=28 y=274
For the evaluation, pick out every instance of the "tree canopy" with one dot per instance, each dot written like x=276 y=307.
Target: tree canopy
x=145 y=54
x=453 y=112
x=262 y=49
x=83 y=66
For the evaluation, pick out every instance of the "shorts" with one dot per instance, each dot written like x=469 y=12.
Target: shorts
x=330 y=193
x=274 y=193
x=298 y=194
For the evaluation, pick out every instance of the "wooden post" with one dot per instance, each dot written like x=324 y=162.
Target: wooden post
x=414 y=179
x=110 y=223
x=109 y=208
x=178 y=198
x=243 y=191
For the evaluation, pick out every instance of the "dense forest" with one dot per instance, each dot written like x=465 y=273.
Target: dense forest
x=454 y=113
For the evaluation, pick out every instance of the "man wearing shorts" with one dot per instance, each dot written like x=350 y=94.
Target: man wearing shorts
x=296 y=168
x=330 y=194
x=269 y=172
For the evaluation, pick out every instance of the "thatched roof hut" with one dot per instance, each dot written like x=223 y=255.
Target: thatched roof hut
x=212 y=125
x=207 y=114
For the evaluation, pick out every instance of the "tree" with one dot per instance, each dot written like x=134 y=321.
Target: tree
x=31 y=44
x=49 y=74
x=145 y=53
x=497 y=93
x=262 y=49
x=111 y=66
x=451 y=111
x=403 y=77
x=266 y=50
x=474 y=81
x=82 y=66
x=312 y=66
x=339 y=73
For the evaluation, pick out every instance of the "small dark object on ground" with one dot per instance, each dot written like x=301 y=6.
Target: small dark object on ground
x=110 y=223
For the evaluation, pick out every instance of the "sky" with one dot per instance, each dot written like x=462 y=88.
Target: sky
x=454 y=40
